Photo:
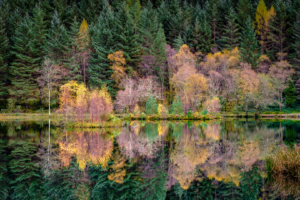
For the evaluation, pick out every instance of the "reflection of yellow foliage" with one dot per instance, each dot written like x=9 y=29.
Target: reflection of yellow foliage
x=250 y=153
x=213 y=131
x=162 y=128
x=86 y=149
x=83 y=192
x=118 y=172
x=229 y=174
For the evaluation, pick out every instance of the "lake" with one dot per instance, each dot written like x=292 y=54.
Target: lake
x=145 y=160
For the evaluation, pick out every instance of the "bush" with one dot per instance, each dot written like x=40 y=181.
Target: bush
x=203 y=112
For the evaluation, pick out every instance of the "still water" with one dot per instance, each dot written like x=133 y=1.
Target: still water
x=144 y=160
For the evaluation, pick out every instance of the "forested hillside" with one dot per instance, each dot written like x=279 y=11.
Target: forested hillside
x=228 y=55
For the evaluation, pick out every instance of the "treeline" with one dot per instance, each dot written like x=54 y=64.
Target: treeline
x=45 y=44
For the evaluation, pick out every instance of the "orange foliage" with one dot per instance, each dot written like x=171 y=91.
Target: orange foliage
x=118 y=172
x=249 y=153
x=249 y=82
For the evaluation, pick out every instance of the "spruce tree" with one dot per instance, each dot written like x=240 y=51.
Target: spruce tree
x=58 y=40
x=23 y=69
x=231 y=35
x=4 y=53
x=178 y=42
x=127 y=39
x=290 y=94
x=206 y=41
x=103 y=43
x=278 y=29
x=4 y=178
x=243 y=11
x=196 y=36
x=296 y=38
x=249 y=50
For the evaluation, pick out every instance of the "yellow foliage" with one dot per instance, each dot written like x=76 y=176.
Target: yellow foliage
x=261 y=17
x=162 y=110
x=213 y=131
x=118 y=61
x=137 y=110
x=250 y=152
x=105 y=95
x=83 y=38
x=184 y=57
x=249 y=82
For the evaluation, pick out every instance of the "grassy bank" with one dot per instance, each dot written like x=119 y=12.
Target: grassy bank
x=131 y=117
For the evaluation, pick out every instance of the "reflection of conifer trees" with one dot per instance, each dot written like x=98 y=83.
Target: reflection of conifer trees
x=25 y=173
x=154 y=174
x=3 y=171
x=251 y=182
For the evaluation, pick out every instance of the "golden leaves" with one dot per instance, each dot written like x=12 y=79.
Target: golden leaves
x=118 y=61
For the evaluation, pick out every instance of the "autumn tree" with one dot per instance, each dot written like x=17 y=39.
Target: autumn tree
x=83 y=44
x=67 y=98
x=249 y=83
x=118 y=61
x=49 y=76
x=281 y=73
x=81 y=103
x=261 y=20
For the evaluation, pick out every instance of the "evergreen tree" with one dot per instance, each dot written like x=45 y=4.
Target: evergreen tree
x=176 y=107
x=278 y=29
x=229 y=191
x=296 y=37
x=103 y=43
x=214 y=22
x=196 y=36
x=231 y=35
x=58 y=40
x=290 y=94
x=127 y=39
x=151 y=106
x=249 y=50
x=178 y=42
x=25 y=173
x=4 y=53
x=206 y=40
x=243 y=11
x=25 y=66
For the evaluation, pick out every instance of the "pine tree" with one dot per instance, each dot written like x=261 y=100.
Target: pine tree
x=249 y=50
x=103 y=42
x=231 y=35
x=250 y=184
x=214 y=22
x=4 y=181
x=278 y=29
x=290 y=94
x=25 y=66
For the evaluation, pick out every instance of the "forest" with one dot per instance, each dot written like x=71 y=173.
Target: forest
x=168 y=56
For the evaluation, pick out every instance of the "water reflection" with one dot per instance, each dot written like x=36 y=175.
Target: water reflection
x=147 y=160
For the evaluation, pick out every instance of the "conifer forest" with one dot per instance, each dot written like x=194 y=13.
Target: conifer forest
x=177 y=57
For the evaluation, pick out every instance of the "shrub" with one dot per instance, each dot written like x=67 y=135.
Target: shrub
x=213 y=105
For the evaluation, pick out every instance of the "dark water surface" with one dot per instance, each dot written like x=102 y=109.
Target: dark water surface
x=144 y=160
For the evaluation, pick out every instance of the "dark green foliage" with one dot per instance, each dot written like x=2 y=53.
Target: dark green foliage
x=290 y=94
x=176 y=107
x=61 y=184
x=251 y=182
x=206 y=41
x=196 y=37
x=249 y=51
x=24 y=68
x=231 y=35
x=290 y=136
x=243 y=11
x=4 y=181
x=151 y=106
x=229 y=191
x=278 y=31
x=4 y=53
x=106 y=189
x=296 y=38
x=25 y=180
x=103 y=43
x=178 y=42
